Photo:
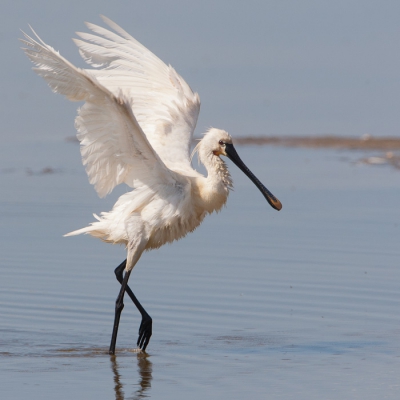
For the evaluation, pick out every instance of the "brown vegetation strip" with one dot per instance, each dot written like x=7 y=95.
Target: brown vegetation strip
x=365 y=142
x=335 y=142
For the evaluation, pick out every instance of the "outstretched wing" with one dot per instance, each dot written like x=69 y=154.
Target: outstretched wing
x=163 y=103
x=113 y=146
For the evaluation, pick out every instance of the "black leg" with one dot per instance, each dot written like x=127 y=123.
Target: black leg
x=119 y=306
x=145 y=329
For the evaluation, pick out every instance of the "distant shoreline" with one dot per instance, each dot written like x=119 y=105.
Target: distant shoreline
x=365 y=142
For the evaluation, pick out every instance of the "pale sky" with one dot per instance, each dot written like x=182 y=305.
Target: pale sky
x=260 y=67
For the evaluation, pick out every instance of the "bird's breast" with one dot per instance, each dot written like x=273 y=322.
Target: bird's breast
x=175 y=219
x=209 y=196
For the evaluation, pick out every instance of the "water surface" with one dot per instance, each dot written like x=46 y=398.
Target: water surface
x=297 y=304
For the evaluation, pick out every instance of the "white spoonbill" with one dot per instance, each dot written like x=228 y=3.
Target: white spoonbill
x=136 y=127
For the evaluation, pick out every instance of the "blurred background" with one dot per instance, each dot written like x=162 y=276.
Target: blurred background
x=260 y=67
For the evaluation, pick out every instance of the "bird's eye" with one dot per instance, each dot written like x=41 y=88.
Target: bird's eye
x=221 y=143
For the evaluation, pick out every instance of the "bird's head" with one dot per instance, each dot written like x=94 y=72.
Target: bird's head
x=217 y=142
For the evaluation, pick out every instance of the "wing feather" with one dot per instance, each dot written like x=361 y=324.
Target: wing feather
x=163 y=103
x=114 y=148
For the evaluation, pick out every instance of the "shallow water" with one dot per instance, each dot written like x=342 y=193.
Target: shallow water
x=300 y=304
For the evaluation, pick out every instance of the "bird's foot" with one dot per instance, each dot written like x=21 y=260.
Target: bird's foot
x=145 y=332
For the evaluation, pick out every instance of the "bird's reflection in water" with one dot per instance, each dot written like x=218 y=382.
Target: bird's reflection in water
x=145 y=376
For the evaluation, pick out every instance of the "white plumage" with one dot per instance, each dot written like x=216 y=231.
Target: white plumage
x=136 y=127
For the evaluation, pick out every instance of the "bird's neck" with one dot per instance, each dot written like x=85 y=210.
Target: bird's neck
x=214 y=190
x=218 y=174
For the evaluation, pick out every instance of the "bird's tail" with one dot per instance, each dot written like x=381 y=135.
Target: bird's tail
x=87 y=229
x=95 y=229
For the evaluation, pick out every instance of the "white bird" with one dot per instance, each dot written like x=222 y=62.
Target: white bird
x=136 y=127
